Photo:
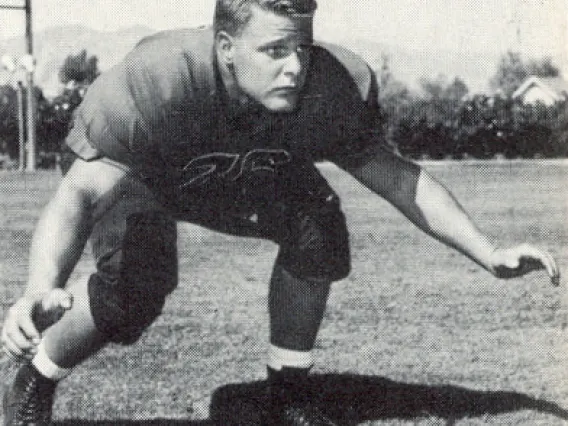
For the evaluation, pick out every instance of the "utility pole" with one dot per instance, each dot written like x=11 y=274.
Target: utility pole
x=21 y=131
x=31 y=163
x=29 y=67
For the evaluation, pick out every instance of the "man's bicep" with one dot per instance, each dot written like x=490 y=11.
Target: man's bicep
x=388 y=175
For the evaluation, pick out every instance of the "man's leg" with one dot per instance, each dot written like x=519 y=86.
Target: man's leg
x=72 y=339
x=75 y=336
x=134 y=244
x=314 y=253
x=296 y=308
x=136 y=256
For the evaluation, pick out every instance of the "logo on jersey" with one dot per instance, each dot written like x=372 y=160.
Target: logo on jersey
x=230 y=166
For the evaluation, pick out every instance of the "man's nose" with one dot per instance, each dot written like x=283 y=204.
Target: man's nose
x=293 y=65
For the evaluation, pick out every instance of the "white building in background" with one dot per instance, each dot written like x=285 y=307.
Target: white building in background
x=546 y=90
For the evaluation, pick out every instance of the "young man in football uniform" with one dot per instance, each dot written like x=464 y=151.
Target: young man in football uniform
x=220 y=128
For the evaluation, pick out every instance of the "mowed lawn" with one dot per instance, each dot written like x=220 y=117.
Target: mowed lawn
x=417 y=334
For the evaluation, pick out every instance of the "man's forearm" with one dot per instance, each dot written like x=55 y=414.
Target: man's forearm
x=58 y=241
x=442 y=216
x=425 y=202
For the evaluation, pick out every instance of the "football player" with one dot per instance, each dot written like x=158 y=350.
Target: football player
x=220 y=127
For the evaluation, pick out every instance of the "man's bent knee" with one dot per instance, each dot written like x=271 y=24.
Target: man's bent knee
x=130 y=289
x=318 y=246
x=119 y=319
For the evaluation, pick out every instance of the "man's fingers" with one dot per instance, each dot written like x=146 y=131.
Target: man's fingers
x=535 y=259
x=548 y=263
x=18 y=339
x=553 y=270
x=523 y=259
x=28 y=318
x=29 y=330
x=19 y=335
x=13 y=352
x=546 y=260
x=57 y=299
x=16 y=348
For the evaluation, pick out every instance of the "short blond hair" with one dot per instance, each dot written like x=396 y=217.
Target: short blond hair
x=233 y=15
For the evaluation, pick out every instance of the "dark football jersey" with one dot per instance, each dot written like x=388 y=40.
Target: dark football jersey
x=163 y=111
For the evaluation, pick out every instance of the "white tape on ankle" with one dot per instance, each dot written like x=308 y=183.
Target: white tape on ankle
x=47 y=367
x=280 y=357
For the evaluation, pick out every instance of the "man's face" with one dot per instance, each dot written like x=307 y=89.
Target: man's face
x=270 y=58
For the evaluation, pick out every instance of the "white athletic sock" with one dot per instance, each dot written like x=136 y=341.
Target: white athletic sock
x=279 y=357
x=47 y=367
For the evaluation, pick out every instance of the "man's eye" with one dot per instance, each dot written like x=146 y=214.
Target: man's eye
x=277 y=52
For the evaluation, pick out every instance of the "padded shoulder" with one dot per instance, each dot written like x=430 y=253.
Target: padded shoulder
x=197 y=40
x=183 y=57
x=359 y=70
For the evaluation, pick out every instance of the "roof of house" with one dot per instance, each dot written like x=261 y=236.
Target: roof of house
x=558 y=84
x=555 y=86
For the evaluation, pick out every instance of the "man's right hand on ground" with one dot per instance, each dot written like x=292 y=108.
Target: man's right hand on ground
x=28 y=317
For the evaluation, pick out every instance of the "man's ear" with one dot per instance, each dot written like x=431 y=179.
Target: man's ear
x=225 y=45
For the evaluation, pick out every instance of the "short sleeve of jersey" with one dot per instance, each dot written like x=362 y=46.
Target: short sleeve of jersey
x=349 y=107
x=123 y=113
x=108 y=121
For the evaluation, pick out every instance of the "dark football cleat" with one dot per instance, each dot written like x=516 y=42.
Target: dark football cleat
x=291 y=400
x=298 y=415
x=29 y=401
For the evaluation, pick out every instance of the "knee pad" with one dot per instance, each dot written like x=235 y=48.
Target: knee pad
x=316 y=245
x=126 y=302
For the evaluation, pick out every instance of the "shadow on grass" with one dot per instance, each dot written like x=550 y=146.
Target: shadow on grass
x=156 y=422
x=353 y=399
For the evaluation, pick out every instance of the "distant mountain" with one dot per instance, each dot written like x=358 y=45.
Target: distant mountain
x=409 y=66
x=53 y=45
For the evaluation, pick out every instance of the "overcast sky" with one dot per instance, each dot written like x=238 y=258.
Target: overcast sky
x=535 y=27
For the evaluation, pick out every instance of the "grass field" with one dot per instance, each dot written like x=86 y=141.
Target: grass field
x=417 y=334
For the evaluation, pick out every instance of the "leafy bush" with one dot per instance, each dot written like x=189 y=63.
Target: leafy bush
x=479 y=127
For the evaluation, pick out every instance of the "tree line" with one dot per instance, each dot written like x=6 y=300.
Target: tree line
x=444 y=120
x=440 y=120
x=53 y=116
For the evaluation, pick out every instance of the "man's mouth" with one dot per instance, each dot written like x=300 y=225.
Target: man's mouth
x=285 y=90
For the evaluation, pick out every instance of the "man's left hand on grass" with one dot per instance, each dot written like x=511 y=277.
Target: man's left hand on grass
x=520 y=260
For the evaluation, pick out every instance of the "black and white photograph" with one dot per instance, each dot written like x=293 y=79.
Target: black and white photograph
x=283 y=212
